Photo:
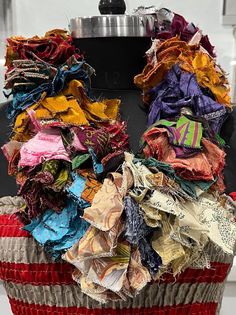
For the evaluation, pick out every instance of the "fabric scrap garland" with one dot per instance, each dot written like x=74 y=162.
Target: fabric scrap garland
x=121 y=220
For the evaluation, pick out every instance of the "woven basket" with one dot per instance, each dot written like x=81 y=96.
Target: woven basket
x=37 y=286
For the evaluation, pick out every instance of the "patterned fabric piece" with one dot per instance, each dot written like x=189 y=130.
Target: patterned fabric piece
x=220 y=223
x=49 y=168
x=135 y=227
x=107 y=205
x=185 y=136
x=53 y=174
x=174 y=134
x=28 y=74
x=184 y=133
x=188 y=133
x=94 y=250
x=195 y=218
x=150 y=259
x=108 y=272
x=58 y=231
x=168 y=249
x=97 y=166
x=92 y=186
x=160 y=180
x=93 y=290
x=97 y=139
x=119 y=138
x=138 y=275
x=95 y=243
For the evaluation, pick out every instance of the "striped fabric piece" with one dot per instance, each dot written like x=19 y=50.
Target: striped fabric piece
x=38 y=286
x=187 y=133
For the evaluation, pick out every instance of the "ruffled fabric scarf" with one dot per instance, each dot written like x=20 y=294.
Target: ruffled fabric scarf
x=121 y=220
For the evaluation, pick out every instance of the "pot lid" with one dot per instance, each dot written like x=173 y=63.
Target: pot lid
x=112 y=26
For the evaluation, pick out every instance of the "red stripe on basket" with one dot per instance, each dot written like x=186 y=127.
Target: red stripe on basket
x=21 y=308
x=61 y=273
x=37 y=274
x=217 y=273
x=10 y=226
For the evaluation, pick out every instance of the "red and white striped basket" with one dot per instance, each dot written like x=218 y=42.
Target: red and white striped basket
x=38 y=286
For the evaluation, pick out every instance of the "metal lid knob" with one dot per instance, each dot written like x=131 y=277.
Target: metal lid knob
x=112 y=7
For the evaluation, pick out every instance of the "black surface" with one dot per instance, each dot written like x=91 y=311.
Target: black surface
x=229 y=134
x=7 y=183
x=116 y=60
